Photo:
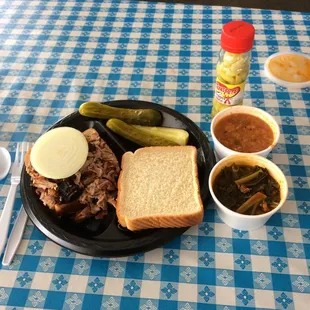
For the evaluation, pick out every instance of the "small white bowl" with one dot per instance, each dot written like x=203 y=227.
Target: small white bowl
x=223 y=151
x=242 y=221
x=270 y=76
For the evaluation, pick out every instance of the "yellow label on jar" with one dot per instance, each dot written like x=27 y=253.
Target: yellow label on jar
x=229 y=94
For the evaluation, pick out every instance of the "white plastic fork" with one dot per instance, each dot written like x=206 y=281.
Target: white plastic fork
x=5 y=218
x=15 y=238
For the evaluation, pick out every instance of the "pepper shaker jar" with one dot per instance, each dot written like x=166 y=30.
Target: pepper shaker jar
x=233 y=65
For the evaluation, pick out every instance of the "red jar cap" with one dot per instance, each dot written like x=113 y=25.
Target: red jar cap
x=237 y=37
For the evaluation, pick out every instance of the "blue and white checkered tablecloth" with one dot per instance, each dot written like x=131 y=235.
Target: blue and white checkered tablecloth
x=57 y=54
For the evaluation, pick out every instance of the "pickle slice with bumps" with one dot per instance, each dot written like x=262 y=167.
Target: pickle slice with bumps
x=177 y=135
x=147 y=117
x=137 y=135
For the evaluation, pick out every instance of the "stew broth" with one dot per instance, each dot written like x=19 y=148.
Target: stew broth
x=244 y=133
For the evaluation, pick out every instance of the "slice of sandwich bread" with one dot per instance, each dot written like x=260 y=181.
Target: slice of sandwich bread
x=158 y=187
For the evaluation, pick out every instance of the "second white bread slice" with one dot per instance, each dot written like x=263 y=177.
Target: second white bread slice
x=158 y=187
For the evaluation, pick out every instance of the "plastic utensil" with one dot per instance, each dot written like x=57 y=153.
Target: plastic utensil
x=6 y=214
x=5 y=162
x=15 y=237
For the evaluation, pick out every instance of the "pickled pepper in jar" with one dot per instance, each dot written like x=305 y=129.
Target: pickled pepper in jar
x=233 y=65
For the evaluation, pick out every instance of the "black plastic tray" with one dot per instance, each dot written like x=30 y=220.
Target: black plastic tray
x=106 y=237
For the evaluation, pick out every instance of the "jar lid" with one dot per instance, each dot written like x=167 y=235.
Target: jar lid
x=237 y=37
x=289 y=69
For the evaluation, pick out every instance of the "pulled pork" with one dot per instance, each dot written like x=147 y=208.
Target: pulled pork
x=87 y=193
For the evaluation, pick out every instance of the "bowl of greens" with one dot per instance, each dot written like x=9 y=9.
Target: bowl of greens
x=247 y=189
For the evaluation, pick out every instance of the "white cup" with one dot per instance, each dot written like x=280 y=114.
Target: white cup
x=223 y=151
x=242 y=221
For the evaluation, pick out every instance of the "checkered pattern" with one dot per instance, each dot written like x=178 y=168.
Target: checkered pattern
x=56 y=55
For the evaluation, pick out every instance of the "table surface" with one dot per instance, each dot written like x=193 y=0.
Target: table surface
x=296 y=5
x=56 y=55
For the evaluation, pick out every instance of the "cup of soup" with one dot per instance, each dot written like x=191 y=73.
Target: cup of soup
x=247 y=190
x=244 y=129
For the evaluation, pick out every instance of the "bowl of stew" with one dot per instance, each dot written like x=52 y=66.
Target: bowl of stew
x=244 y=129
x=247 y=189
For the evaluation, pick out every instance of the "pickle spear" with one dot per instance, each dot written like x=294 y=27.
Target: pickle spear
x=136 y=135
x=177 y=135
x=147 y=117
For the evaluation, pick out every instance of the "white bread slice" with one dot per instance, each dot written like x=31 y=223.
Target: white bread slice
x=158 y=187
